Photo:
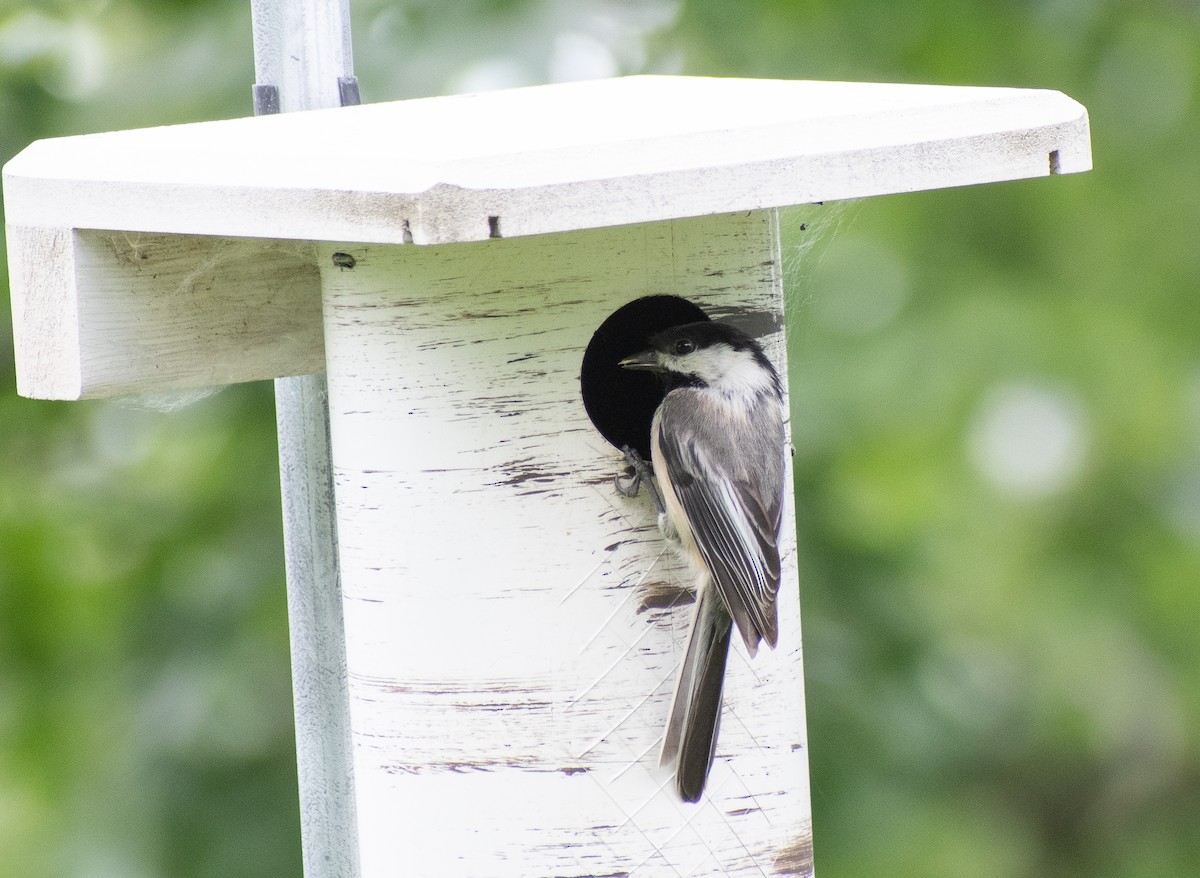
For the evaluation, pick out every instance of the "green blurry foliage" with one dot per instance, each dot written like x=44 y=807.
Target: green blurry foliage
x=996 y=413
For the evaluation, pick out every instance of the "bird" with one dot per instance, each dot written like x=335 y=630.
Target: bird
x=718 y=452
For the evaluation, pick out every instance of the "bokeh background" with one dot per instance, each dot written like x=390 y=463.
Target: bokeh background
x=996 y=400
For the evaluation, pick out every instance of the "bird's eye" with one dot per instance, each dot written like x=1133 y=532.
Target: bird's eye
x=684 y=346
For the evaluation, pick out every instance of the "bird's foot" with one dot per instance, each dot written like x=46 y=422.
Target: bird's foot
x=638 y=473
x=629 y=482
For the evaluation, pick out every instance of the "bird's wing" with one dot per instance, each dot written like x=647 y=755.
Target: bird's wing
x=734 y=526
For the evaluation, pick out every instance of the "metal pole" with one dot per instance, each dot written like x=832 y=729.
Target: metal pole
x=302 y=61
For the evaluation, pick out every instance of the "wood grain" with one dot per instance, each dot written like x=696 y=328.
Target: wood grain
x=509 y=678
x=98 y=313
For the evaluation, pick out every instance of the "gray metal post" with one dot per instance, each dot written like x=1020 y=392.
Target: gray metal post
x=302 y=60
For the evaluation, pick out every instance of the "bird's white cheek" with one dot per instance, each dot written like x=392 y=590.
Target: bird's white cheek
x=742 y=376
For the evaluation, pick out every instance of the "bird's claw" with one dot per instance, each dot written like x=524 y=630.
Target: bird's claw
x=630 y=482
x=639 y=472
x=627 y=484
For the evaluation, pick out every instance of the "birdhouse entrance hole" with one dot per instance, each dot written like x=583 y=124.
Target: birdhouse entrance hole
x=621 y=402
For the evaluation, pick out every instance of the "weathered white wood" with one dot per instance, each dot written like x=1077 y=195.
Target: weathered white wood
x=444 y=170
x=545 y=159
x=508 y=687
x=106 y=313
x=302 y=47
x=45 y=313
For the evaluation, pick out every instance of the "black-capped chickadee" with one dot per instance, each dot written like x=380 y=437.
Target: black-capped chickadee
x=717 y=445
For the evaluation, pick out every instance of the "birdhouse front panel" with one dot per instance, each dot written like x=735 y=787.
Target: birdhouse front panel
x=513 y=623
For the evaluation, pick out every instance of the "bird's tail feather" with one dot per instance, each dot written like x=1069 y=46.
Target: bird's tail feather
x=691 y=735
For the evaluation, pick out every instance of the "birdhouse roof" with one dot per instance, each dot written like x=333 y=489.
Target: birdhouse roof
x=544 y=159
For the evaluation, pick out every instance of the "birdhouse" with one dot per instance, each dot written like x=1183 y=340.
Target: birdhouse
x=467 y=272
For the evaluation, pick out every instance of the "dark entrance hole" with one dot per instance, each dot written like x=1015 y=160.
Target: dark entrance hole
x=621 y=402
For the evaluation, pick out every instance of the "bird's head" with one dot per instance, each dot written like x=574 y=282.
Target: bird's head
x=708 y=354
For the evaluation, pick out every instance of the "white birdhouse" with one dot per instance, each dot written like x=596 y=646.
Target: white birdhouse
x=512 y=623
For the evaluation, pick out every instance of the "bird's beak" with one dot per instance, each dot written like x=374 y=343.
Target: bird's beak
x=644 y=360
